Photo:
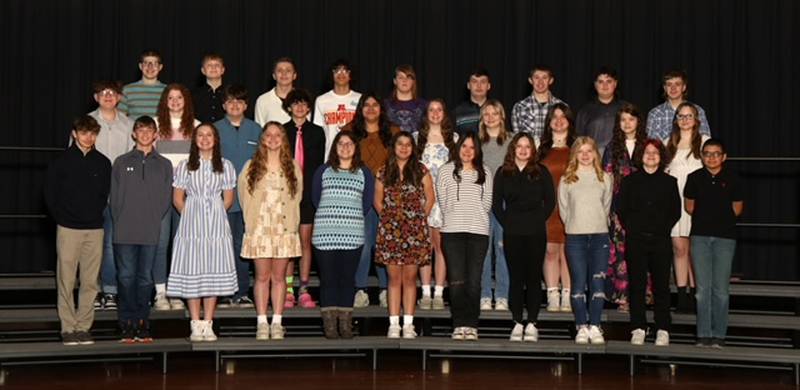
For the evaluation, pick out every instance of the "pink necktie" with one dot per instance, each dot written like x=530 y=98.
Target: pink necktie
x=298 y=147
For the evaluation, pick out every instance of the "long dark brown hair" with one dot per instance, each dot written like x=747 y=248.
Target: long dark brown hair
x=333 y=156
x=359 y=125
x=412 y=171
x=162 y=113
x=531 y=169
x=258 y=164
x=617 y=144
x=477 y=161
x=194 y=152
x=547 y=136
x=447 y=129
x=675 y=136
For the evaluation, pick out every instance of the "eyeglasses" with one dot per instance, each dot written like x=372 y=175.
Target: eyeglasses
x=150 y=64
x=687 y=116
x=341 y=71
x=713 y=154
x=107 y=92
x=345 y=144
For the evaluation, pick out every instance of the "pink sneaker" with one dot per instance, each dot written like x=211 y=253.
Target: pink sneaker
x=289 y=302
x=306 y=301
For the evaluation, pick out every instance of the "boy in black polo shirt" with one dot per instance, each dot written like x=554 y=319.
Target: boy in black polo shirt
x=714 y=199
x=76 y=193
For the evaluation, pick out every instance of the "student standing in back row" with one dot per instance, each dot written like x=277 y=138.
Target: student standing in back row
x=141 y=97
x=337 y=107
x=208 y=98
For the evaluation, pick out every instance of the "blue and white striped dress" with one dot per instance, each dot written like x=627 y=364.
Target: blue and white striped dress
x=202 y=255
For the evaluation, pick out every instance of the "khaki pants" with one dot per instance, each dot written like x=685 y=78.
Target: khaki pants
x=78 y=250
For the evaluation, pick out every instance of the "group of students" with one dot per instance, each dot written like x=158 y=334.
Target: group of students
x=394 y=182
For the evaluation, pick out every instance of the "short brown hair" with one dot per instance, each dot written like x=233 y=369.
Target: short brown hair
x=150 y=53
x=212 y=56
x=102 y=85
x=85 y=123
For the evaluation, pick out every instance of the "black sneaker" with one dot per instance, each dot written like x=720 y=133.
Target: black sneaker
x=143 y=333
x=244 y=302
x=225 y=302
x=717 y=343
x=69 y=338
x=84 y=337
x=703 y=342
x=127 y=333
x=98 y=302
x=110 y=302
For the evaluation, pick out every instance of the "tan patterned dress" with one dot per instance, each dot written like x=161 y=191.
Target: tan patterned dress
x=271 y=237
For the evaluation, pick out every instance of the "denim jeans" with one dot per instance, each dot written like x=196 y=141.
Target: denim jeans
x=236 y=221
x=500 y=265
x=169 y=226
x=712 y=258
x=370 y=233
x=464 y=254
x=337 y=269
x=587 y=257
x=108 y=268
x=135 y=274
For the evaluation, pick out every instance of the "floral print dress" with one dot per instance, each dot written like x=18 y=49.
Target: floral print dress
x=403 y=237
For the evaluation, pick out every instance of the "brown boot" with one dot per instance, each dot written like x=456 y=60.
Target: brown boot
x=329 y=323
x=346 y=324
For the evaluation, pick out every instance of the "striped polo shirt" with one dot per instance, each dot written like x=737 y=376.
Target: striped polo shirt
x=140 y=99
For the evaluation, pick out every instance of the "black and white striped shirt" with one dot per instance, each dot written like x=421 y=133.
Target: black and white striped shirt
x=465 y=205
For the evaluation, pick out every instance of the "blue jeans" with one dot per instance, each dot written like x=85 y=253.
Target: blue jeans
x=108 y=268
x=135 y=274
x=169 y=226
x=587 y=256
x=712 y=258
x=236 y=221
x=500 y=266
x=370 y=234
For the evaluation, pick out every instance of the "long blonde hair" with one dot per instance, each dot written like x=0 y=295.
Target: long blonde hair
x=258 y=165
x=483 y=132
x=570 y=174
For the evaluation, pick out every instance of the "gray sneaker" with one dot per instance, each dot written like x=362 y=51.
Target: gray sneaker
x=361 y=299
x=425 y=303
x=438 y=303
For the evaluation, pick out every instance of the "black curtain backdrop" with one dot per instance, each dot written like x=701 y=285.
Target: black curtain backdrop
x=741 y=57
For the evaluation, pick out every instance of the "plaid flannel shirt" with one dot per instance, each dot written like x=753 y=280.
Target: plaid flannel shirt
x=659 y=121
x=528 y=115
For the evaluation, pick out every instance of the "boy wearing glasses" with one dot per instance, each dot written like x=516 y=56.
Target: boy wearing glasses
x=337 y=107
x=141 y=97
x=659 y=120
x=113 y=141
x=714 y=199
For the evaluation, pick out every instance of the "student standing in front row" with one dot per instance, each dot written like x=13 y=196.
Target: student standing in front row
x=343 y=191
x=524 y=198
x=76 y=193
x=141 y=194
x=714 y=199
x=403 y=199
x=464 y=189
x=648 y=204
x=270 y=187
x=584 y=199
x=202 y=259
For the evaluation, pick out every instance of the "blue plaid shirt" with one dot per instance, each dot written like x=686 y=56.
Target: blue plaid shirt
x=528 y=115
x=659 y=121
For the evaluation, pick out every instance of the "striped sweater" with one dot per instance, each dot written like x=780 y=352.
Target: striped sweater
x=140 y=99
x=465 y=205
x=342 y=199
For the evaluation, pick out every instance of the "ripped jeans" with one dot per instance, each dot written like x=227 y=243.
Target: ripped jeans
x=587 y=256
x=464 y=254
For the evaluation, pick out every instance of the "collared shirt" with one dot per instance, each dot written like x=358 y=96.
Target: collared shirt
x=467 y=114
x=528 y=115
x=208 y=103
x=114 y=138
x=238 y=145
x=140 y=99
x=713 y=197
x=269 y=107
x=659 y=121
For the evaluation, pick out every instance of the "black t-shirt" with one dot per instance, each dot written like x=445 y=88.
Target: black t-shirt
x=713 y=197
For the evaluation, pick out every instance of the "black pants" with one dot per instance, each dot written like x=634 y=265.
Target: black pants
x=464 y=254
x=525 y=258
x=653 y=254
x=337 y=276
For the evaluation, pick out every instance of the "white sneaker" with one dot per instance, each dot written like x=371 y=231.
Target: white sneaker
x=486 y=304
x=470 y=334
x=662 y=338
x=262 y=331
x=637 y=337
x=566 y=302
x=438 y=303
x=553 y=300
x=208 y=331
x=383 y=299
x=276 y=331
x=531 y=333
x=501 y=304
x=176 y=304
x=409 y=332
x=361 y=299
x=394 y=332
x=458 y=333
x=583 y=335
x=197 y=330
x=425 y=303
x=596 y=335
x=161 y=302
x=516 y=333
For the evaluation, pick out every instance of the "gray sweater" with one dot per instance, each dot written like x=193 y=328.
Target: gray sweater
x=141 y=193
x=584 y=205
x=493 y=154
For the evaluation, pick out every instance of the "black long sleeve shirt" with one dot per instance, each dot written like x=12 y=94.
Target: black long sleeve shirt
x=522 y=204
x=649 y=204
x=77 y=188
